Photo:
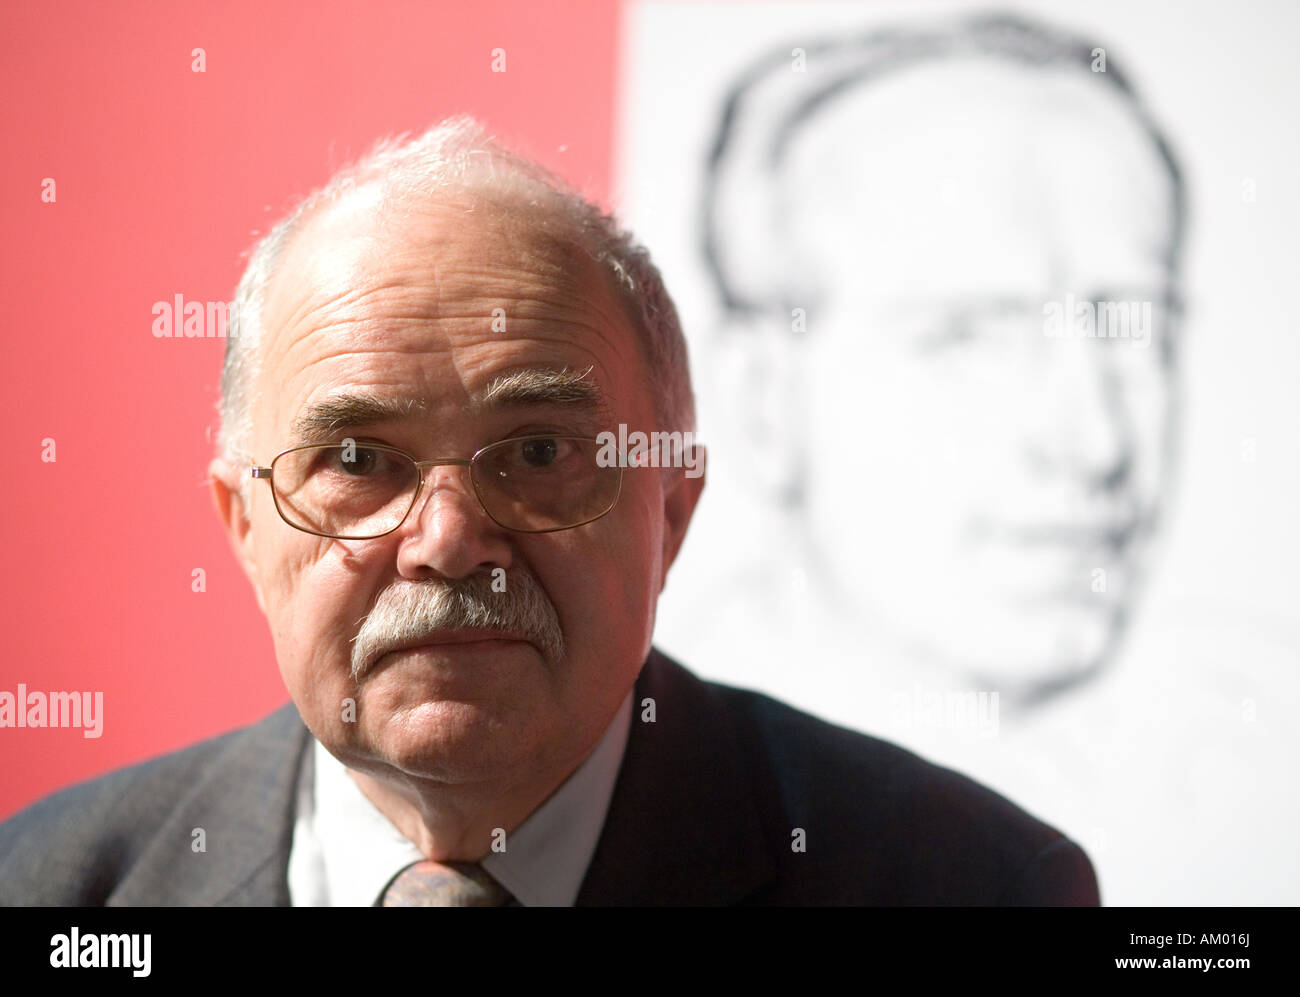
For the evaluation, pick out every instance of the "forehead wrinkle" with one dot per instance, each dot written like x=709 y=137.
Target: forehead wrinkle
x=345 y=302
x=461 y=297
x=600 y=391
x=545 y=286
x=285 y=406
x=407 y=237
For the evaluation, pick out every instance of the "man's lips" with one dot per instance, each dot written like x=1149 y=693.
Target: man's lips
x=1071 y=535
x=448 y=638
x=1077 y=535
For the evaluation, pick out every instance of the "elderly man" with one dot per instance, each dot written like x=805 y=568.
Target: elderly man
x=462 y=597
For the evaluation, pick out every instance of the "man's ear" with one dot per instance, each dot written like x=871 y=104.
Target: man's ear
x=228 y=499
x=682 y=489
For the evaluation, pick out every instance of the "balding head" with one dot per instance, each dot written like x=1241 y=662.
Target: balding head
x=457 y=160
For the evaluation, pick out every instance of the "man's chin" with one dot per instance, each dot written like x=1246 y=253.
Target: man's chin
x=441 y=711
x=1035 y=660
x=1002 y=645
x=441 y=740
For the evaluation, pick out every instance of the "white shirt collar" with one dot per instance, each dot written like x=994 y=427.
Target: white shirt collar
x=345 y=851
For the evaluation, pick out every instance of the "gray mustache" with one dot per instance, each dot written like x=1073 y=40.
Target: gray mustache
x=414 y=610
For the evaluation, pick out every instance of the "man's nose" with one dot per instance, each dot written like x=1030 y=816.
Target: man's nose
x=1089 y=435
x=448 y=533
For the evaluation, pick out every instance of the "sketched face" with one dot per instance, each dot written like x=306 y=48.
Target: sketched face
x=981 y=482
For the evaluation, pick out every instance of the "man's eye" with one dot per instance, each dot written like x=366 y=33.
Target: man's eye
x=357 y=461
x=539 y=452
x=956 y=331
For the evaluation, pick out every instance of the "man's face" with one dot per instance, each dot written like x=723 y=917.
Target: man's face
x=984 y=488
x=399 y=305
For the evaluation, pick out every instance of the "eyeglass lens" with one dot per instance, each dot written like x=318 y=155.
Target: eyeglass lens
x=533 y=484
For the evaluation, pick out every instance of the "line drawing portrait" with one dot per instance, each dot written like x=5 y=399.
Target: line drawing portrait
x=902 y=226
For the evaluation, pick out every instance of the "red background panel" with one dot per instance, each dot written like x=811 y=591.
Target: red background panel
x=163 y=178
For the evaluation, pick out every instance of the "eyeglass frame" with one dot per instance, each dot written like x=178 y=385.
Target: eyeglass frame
x=266 y=474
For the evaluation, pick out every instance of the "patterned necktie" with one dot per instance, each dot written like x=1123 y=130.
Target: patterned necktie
x=444 y=884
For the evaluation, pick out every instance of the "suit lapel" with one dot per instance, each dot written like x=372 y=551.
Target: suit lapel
x=244 y=800
x=684 y=803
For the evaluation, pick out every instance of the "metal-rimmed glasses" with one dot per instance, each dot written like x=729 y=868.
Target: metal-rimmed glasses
x=360 y=491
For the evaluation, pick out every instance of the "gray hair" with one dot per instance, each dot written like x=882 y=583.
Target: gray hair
x=458 y=155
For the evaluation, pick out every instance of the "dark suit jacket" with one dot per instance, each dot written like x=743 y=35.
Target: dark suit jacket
x=705 y=811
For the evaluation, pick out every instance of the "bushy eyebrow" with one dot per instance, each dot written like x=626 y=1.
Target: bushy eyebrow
x=324 y=419
x=531 y=386
x=539 y=386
